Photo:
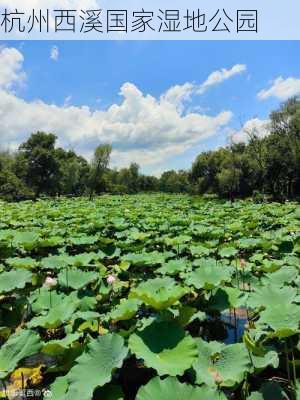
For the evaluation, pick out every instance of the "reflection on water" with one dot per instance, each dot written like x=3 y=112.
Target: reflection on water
x=235 y=330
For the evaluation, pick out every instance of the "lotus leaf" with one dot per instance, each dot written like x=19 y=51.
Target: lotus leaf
x=125 y=310
x=159 y=293
x=208 y=277
x=171 y=388
x=76 y=279
x=14 y=279
x=165 y=347
x=18 y=346
x=94 y=367
x=221 y=365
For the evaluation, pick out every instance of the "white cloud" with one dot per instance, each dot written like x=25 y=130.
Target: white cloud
x=54 y=53
x=179 y=94
x=11 y=73
x=218 y=77
x=255 y=126
x=282 y=89
x=141 y=128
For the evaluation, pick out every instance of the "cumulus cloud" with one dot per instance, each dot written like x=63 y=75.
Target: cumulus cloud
x=255 y=126
x=282 y=89
x=11 y=73
x=179 y=94
x=220 y=76
x=140 y=127
x=54 y=53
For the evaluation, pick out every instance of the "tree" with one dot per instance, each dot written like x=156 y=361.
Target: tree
x=36 y=163
x=99 y=165
x=174 y=182
x=12 y=188
x=229 y=182
x=285 y=128
x=74 y=173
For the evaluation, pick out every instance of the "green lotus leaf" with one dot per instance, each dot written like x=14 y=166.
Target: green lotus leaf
x=138 y=236
x=75 y=278
x=282 y=319
x=269 y=359
x=53 y=241
x=144 y=259
x=83 y=259
x=249 y=243
x=173 y=267
x=201 y=231
x=19 y=346
x=83 y=240
x=228 y=251
x=269 y=296
x=57 y=347
x=165 y=347
x=26 y=263
x=221 y=365
x=271 y=265
x=86 y=300
x=200 y=250
x=178 y=240
x=41 y=299
x=159 y=293
x=125 y=310
x=59 y=387
x=14 y=279
x=85 y=315
x=28 y=240
x=94 y=367
x=208 y=277
x=56 y=262
x=286 y=274
x=57 y=314
x=171 y=388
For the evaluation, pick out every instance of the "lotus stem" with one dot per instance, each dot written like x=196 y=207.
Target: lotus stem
x=250 y=357
x=235 y=326
x=5 y=389
x=237 y=274
x=67 y=277
x=294 y=365
x=22 y=376
x=287 y=361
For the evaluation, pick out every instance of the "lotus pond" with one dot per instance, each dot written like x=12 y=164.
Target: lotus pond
x=149 y=297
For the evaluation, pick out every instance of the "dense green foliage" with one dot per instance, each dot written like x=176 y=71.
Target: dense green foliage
x=150 y=297
x=264 y=166
x=269 y=165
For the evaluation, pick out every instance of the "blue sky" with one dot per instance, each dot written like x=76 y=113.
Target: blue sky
x=83 y=80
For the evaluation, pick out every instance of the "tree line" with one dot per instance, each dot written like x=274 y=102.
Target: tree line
x=264 y=166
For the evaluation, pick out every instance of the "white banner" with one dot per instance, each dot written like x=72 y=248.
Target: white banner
x=149 y=20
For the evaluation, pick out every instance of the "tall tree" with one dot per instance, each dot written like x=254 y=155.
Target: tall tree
x=99 y=165
x=37 y=164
